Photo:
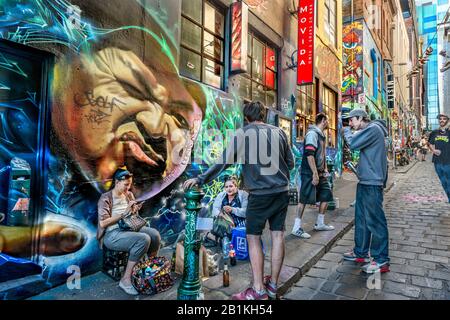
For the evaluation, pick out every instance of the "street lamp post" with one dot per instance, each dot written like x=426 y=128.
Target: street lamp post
x=190 y=287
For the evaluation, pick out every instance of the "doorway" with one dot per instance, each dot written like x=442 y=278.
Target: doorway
x=24 y=141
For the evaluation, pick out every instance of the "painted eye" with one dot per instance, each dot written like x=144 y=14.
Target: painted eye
x=182 y=123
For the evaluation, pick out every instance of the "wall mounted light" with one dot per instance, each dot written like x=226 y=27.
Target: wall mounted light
x=293 y=63
x=294 y=11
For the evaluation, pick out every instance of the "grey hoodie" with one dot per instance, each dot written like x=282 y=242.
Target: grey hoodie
x=259 y=136
x=372 y=166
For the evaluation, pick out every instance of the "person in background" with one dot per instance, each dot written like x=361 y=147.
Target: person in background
x=423 y=148
x=440 y=147
x=415 y=146
x=371 y=229
x=113 y=206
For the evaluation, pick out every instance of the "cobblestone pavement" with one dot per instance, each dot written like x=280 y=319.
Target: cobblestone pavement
x=419 y=232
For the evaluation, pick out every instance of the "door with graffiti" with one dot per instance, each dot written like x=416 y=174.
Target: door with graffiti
x=23 y=147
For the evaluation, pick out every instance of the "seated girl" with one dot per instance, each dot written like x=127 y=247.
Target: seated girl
x=112 y=207
x=231 y=201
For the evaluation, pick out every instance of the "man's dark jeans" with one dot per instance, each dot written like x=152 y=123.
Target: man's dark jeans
x=370 y=224
x=443 y=172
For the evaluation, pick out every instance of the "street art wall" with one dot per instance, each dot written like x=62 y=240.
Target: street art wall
x=372 y=75
x=105 y=94
x=115 y=99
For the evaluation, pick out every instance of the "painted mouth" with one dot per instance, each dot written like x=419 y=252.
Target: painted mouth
x=143 y=155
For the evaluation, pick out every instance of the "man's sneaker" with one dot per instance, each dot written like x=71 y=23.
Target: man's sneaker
x=376 y=267
x=249 y=294
x=270 y=288
x=323 y=227
x=301 y=234
x=351 y=256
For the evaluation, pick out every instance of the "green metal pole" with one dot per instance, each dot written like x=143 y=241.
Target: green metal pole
x=191 y=287
x=332 y=203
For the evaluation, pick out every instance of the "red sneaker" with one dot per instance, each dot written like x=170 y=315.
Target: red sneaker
x=351 y=256
x=249 y=294
x=376 y=267
x=270 y=288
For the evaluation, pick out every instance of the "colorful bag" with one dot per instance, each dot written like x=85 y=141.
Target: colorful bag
x=152 y=276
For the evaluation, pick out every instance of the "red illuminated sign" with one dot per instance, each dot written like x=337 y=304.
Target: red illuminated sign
x=239 y=37
x=306 y=36
x=270 y=68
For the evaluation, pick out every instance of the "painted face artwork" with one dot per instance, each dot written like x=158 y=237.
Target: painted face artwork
x=118 y=113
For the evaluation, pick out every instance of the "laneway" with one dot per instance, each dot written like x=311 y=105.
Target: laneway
x=419 y=231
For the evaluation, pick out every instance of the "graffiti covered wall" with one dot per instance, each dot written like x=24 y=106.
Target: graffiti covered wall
x=353 y=64
x=116 y=99
x=372 y=75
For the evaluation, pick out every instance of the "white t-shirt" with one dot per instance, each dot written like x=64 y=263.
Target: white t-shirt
x=118 y=208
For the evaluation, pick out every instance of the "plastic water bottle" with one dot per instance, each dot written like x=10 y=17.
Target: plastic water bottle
x=148 y=272
x=226 y=248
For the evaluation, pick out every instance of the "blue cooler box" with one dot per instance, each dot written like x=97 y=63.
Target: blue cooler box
x=239 y=241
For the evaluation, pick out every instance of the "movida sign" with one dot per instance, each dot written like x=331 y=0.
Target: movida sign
x=306 y=36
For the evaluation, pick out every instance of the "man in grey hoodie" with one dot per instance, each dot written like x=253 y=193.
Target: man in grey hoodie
x=370 y=221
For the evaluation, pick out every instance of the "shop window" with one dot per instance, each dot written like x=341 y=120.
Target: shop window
x=329 y=102
x=306 y=109
x=260 y=82
x=202 y=42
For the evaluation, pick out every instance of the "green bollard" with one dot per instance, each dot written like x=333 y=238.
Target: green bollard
x=191 y=287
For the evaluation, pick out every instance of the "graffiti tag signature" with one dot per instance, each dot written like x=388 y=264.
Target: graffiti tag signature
x=100 y=101
x=100 y=107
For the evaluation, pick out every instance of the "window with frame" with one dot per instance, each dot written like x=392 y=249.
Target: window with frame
x=331 y=20
x=260 y=83
x=306 y=109
x=329 y=102
x=202 y=42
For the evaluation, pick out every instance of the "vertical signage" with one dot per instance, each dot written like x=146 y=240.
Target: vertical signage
x=306 y=36
x=270 y=68
x=239 y=37
x=390 y=86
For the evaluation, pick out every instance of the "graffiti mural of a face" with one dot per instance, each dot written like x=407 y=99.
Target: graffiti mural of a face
x=113 y=109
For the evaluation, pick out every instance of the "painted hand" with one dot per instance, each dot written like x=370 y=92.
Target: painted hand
x=188 y=184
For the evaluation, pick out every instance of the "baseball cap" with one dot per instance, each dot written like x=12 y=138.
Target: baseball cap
x=356 y=113
x=122 y=174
